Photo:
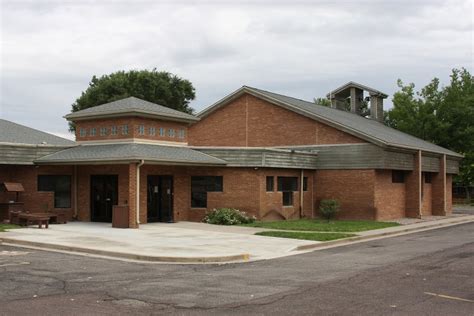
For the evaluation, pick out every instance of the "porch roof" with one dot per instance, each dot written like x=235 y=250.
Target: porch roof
x=129 y=152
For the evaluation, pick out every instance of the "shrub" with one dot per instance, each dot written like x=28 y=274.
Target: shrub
x=228 y=216
x=328 y=208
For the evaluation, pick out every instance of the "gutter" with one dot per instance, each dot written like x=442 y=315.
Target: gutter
x=141 y=163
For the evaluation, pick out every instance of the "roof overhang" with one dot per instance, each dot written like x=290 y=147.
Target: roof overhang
x=127 y=113
x=352 y=84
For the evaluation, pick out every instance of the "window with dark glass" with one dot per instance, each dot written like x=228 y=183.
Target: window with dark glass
x=428 y=177
x=200 y=185
x=287 y=185
x=83 y=132
x=124 y=129
x=398 y=176
x=305 y=184
x=103 y=131
x=60 y=185
x=113 y=130
x=270 y=184
x=92 y=132
x=141 y=129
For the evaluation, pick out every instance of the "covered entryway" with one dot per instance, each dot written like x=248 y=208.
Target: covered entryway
x=104 y=195
x=160 y=198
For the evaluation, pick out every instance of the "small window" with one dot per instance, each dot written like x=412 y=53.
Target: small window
x=287 y=198
x=83 y=132
x=398 y=176
x=200 y=186
x=60 y=185
x=92 y=132
x=305 y=183
x=113 y=130
x=152 y=131
x=103 y=131
x=287 y=184
x=125 y=130
x=181 y=133
x=270 y=184
x=428 y=177
x=171 y=132
x=141 y=129
x=162 y=132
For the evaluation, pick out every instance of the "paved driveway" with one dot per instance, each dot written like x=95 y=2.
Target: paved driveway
x=180 y=242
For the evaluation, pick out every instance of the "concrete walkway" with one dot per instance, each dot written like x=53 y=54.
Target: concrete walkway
x=187 y=242
x=182 y=242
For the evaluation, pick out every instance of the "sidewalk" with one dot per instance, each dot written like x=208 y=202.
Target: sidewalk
x=187 y=242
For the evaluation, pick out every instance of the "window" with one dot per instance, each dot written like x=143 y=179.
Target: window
x=162 y=132
x=92 y=132
x=141 y=129
x=181 y=133
x=305 y=183
x=171 y=132
x=270 y=184
x=113 y=130
x=398 y=176
x=152 y=131
x=103 y=131
x=287 y=185
x=428 y=177
x=125 y=130
x=200 y=186
x=83 y=132
x=60 y=185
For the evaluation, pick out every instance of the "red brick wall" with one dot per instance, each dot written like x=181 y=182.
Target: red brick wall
x=133 y=124
x=33 y=200
x=250 y=121
x=354 y=189
x=389 y=197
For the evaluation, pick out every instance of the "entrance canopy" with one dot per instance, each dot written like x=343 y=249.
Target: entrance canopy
x=130 y=152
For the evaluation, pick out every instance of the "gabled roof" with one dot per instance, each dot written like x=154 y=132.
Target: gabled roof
x=364 y=128
x=13 y=133
x=351 y=84
x=128 y=152
x=131 y=106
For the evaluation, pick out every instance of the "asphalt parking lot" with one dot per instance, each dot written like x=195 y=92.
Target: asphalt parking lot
x=426 y=273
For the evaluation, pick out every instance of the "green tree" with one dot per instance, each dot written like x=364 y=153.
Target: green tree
x=442 y=115
x=159 y=87
x=364 y=106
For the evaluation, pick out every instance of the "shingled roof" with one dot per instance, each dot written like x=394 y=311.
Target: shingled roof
x=13 y=133
x=364 y=128
x=131 y=106
x=126 y=152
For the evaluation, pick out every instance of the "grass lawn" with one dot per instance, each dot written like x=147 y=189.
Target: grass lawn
x=305 y=236
x=3 y=227
x=323 y=225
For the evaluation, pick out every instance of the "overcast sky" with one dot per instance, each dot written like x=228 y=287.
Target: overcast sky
x=51 y=49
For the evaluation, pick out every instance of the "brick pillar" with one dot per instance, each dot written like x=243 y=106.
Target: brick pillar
x=413 y=188
x=132 y=195
x=438 y=187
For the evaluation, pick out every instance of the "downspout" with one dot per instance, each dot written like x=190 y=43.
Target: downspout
x=301 y=192
x=141 y=163
x=75 y=191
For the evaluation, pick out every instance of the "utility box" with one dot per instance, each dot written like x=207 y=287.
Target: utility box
x=120 y=216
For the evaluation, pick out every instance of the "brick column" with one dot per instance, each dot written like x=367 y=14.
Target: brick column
x=132 y=195
x=413 y=200
x=438 y=187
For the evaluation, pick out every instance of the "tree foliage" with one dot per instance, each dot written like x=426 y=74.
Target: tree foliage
x=442 y=115
x=364 y=105
x=159 y=87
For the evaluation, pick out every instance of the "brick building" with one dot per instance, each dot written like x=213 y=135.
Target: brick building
x=268 y=154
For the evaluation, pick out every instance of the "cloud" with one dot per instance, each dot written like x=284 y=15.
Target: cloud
x=51 y=49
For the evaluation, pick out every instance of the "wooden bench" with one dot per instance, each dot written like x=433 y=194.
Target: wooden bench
x=26 y=219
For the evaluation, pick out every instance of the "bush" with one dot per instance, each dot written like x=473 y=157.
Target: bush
x=228 y=216
x=328 y=208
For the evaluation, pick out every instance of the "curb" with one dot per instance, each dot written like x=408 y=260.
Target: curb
x=128 y=256
x=348 y=240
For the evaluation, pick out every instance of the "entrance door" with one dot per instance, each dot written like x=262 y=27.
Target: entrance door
x=160 y=199
x=104 y=195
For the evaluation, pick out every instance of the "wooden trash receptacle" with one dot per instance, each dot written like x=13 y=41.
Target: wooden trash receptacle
x=120 y=216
